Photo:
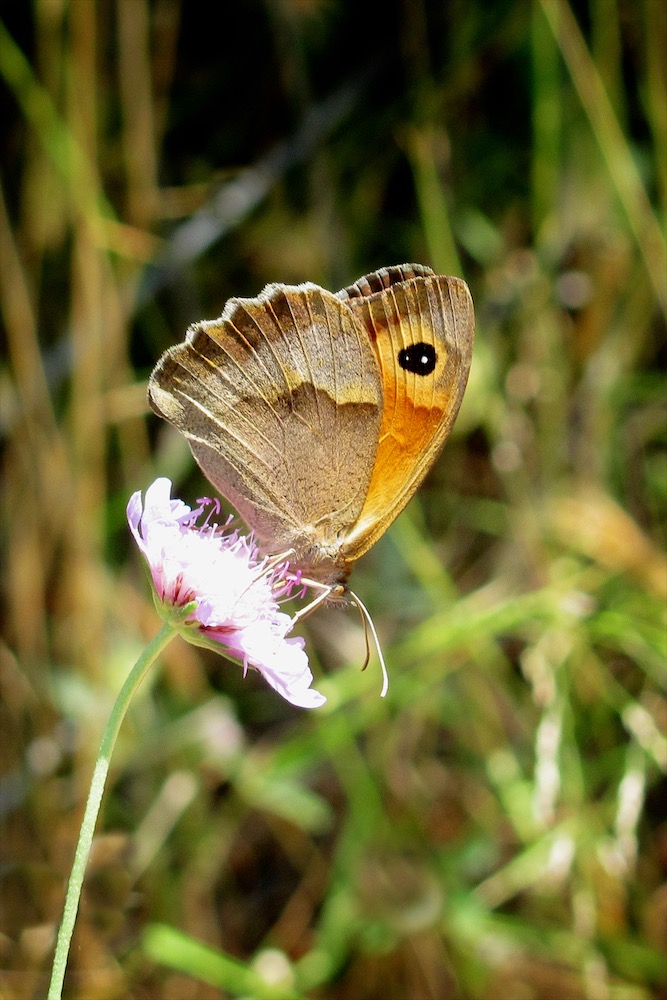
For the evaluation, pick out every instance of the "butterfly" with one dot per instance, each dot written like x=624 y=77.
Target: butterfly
x=317 y=415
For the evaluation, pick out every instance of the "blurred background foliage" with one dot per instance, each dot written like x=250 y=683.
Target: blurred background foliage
x=496 y=827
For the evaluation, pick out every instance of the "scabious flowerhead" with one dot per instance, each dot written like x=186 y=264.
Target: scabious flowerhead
x=216 y=590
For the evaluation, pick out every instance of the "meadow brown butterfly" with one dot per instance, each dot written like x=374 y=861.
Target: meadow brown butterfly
x=318 y=415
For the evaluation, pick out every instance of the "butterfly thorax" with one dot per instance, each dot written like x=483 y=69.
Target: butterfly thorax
x=321 y=561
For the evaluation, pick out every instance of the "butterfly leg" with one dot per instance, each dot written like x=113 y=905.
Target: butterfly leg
x=337 y=590
x=326 y=590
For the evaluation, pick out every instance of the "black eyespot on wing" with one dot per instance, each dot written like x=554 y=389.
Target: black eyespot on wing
x=418 y=358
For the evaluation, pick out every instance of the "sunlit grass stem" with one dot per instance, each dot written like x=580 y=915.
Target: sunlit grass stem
x=614 y=147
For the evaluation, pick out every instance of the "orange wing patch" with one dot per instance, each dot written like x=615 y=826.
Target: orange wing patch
x=422 y=330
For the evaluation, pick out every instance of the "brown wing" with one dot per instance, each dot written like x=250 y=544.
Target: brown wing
x=422 y=328
x=280 y=400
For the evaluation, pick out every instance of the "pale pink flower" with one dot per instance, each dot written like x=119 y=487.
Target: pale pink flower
x=231 y=594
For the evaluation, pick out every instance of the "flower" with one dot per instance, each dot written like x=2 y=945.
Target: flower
x=212 y=585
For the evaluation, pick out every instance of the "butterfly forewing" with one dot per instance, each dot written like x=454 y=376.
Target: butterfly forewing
x=422 y=328
x=383 y=278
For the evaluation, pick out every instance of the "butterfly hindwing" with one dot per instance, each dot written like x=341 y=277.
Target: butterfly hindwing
x=280 y=400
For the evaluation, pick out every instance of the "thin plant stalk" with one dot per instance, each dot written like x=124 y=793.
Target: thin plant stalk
x=134 y=679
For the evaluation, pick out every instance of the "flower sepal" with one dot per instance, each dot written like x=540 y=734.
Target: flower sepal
x=184 y=622
x=181 y=617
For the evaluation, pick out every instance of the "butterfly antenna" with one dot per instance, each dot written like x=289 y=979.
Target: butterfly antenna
x=368 y=622
x=367 y=658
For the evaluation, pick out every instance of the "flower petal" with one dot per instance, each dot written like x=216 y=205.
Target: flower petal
x=233 y=589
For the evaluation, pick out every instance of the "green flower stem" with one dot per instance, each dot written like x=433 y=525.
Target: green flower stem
x=134 y=679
